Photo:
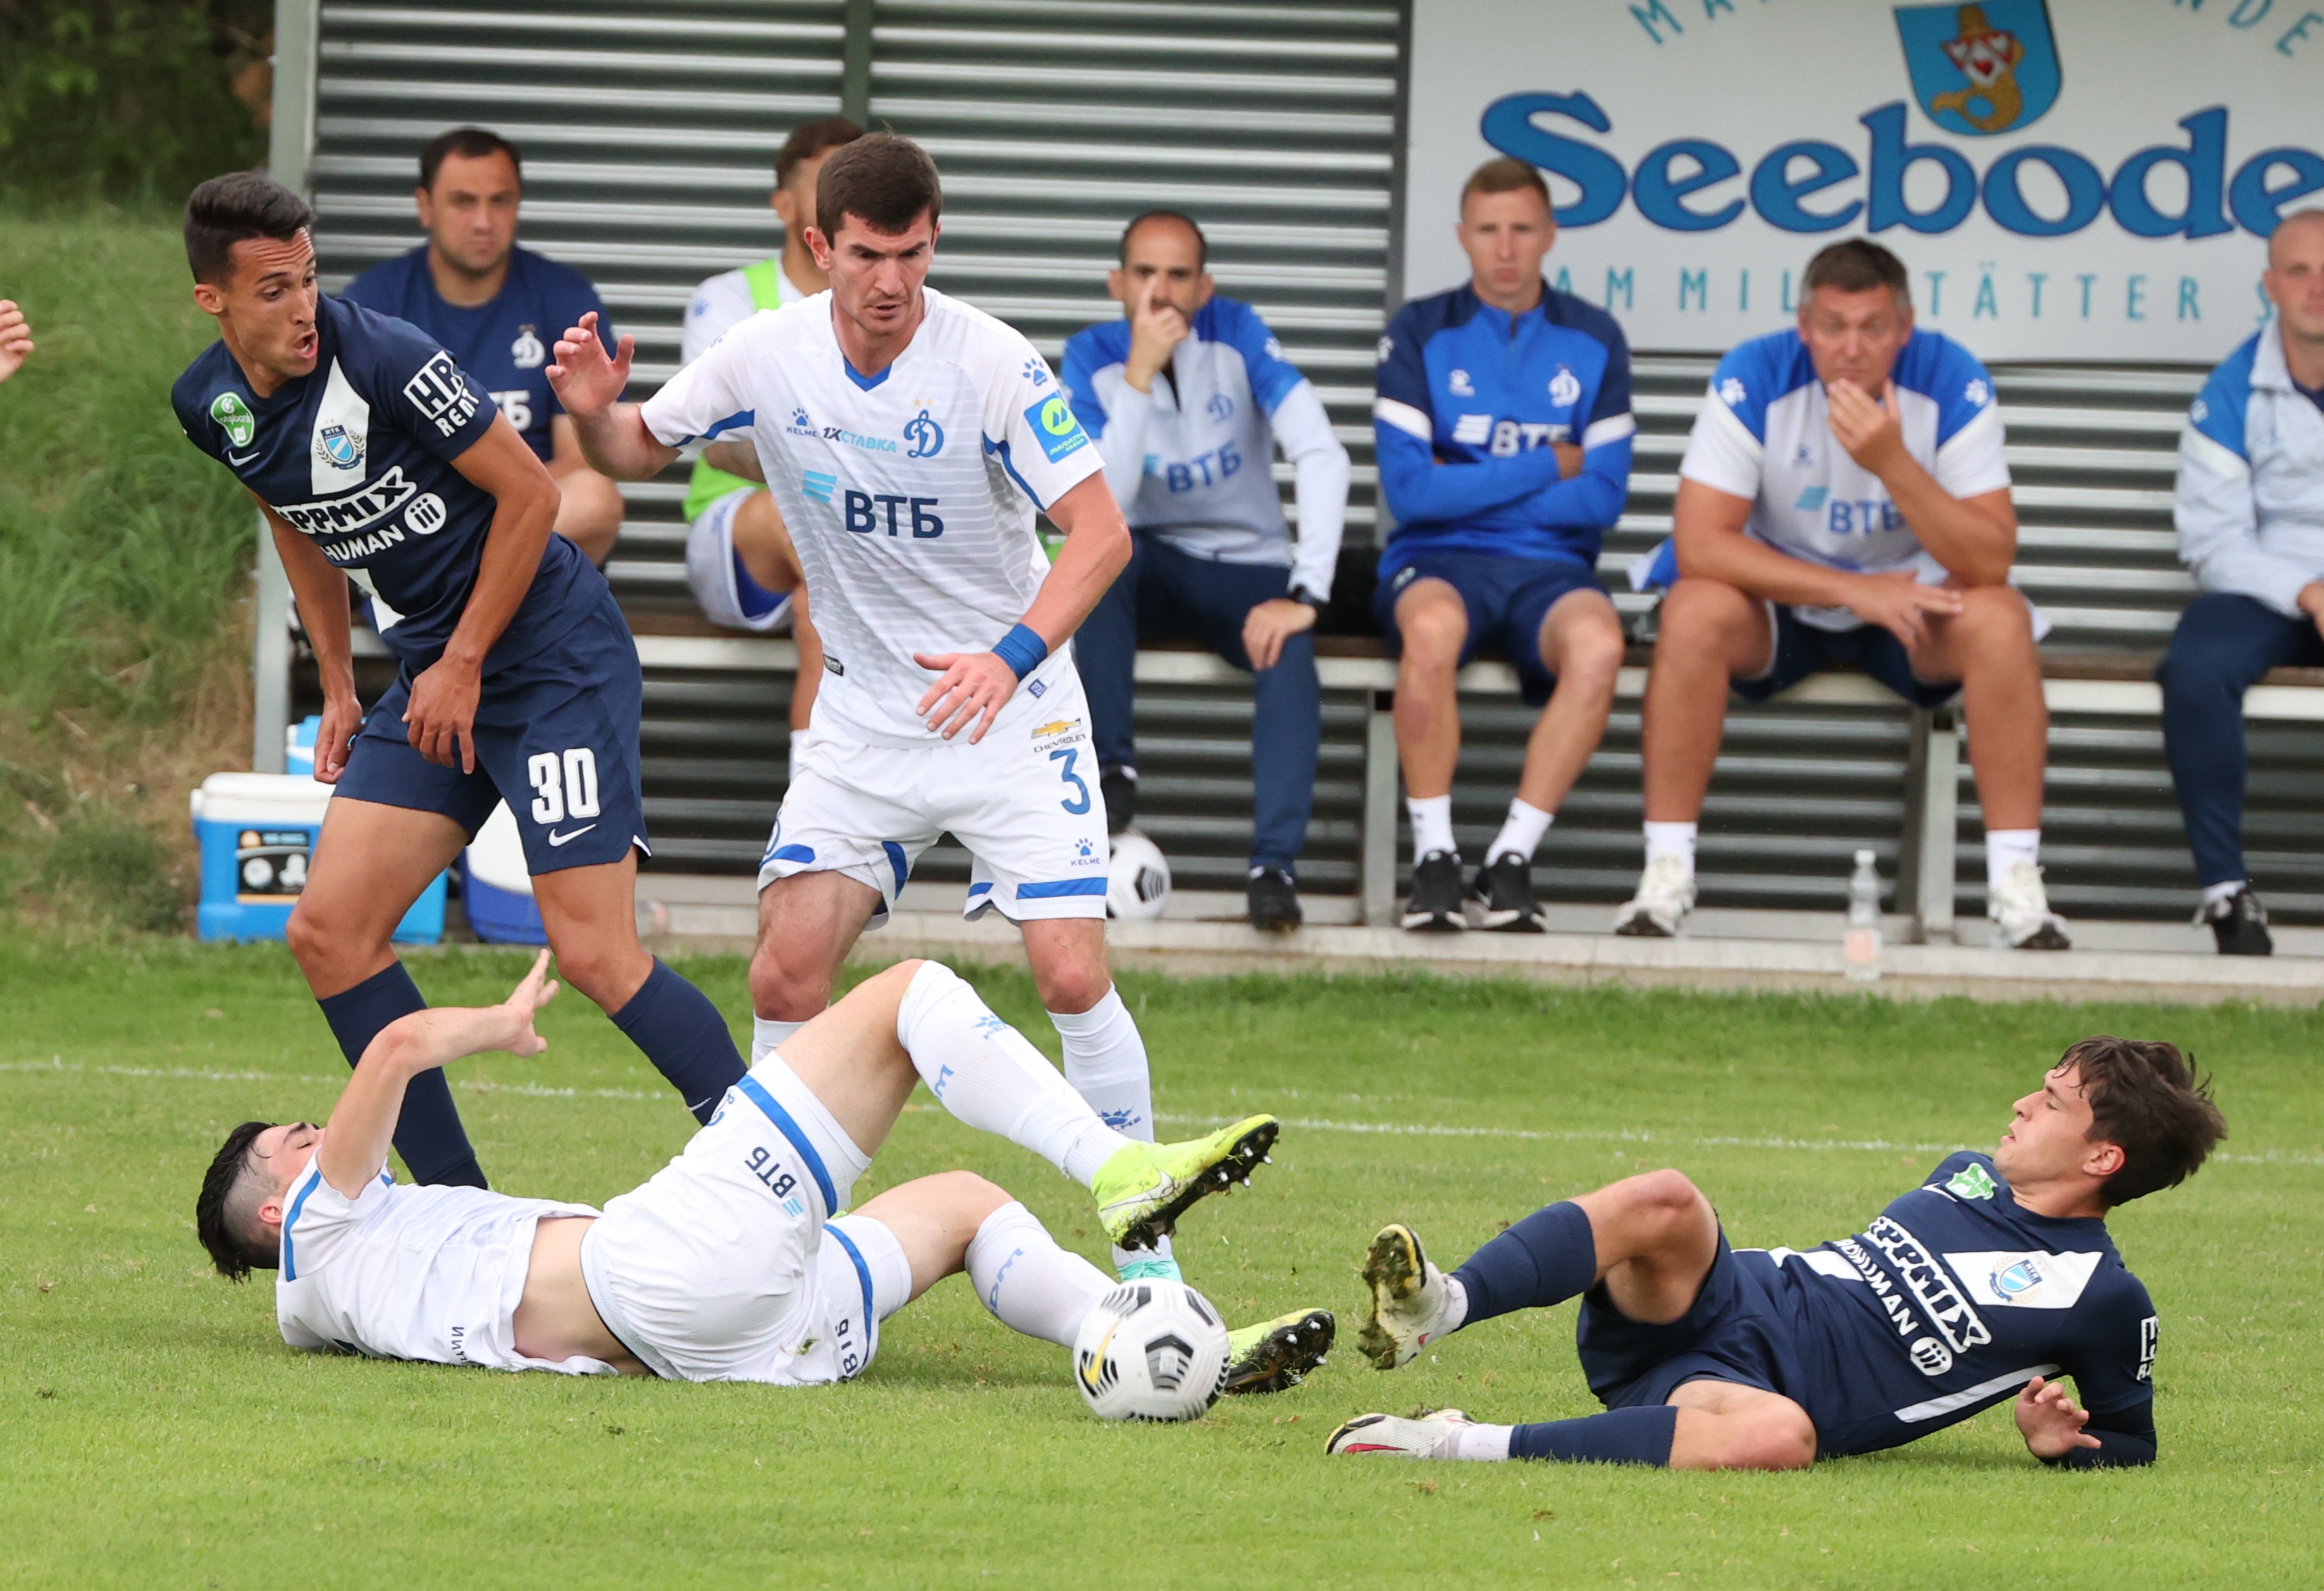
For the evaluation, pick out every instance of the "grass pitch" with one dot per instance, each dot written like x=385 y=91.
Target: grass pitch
x=156 y=1432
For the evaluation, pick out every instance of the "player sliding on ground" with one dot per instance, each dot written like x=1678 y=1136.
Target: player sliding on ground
x=1987 y=1282
x=734 y=1264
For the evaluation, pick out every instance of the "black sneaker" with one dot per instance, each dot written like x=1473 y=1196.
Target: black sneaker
x=2239 y=923
x=1119 y=789
x=1274 y=897
x=1501 y=898
x=1433 y=906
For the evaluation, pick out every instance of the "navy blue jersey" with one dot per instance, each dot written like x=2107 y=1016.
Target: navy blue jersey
x=506 y=345
x=1470 y=398
x=358 y=455
x=1949 y=1303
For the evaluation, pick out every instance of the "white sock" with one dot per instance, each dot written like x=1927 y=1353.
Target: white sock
x=1432 y=824
x=2004 y=848
x=766 y=1032
x=1672 y=839
x=1105 y=1062
x=1521 y=831
x=1456 y=1306
x=1484 y=1443
x=2213 y=894
x=985 y=1073
x=1028 y=1283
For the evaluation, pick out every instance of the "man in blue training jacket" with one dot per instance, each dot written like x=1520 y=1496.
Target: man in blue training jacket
x=1503 y=423
x=497 y=309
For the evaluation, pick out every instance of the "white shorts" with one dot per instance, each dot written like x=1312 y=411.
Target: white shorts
x=1024 y=800
x=710 y=568
x=729 y=1264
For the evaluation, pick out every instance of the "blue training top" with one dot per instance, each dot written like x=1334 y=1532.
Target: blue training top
x=1470 y=398
x=506 y=345
x=358 y=455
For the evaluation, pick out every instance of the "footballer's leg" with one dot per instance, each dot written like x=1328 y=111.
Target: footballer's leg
x=956 y=1221
x=1705 y=1425
x=1431 y=624
x=808 y=923
x=371 y=862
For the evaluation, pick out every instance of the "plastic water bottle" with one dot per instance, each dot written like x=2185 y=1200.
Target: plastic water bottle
x=1861 y=953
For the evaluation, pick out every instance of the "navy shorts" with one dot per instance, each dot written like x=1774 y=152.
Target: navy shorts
x=1507 y=600
x=1735 y=1332
x=1802 y=650
x=555 y=737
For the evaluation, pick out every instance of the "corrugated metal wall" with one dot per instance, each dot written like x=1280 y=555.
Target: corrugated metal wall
x=650 y=134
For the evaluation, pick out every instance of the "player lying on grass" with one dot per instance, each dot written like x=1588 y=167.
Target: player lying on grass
x=734 y=1264
x=1986 y=1282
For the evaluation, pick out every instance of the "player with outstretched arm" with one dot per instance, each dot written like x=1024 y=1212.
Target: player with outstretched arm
x=373 y=455
x=1985 y=1284
x=735 y=1263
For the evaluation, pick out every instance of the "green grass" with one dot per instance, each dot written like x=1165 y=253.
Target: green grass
x=157 y=1432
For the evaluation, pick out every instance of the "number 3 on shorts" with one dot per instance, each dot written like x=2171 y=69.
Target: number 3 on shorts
x=1080 y=803
x=566 y=785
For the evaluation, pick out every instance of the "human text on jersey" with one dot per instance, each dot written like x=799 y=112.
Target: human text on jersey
x=362 y=510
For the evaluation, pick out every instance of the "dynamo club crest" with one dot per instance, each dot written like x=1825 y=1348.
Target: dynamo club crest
x=1980 y=69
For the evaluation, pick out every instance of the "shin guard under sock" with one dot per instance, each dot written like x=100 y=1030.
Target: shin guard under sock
x=682 y=1033
x=428 y=1133
x=1028 y=1283
x=1545 y=1259
x=1619 y=1436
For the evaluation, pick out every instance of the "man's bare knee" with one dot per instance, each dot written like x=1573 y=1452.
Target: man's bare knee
x=1771 y=1437
x=970 y=1196
x=1696 y=607
x=781 y=992
x=1072 y=989
x=1590 y=658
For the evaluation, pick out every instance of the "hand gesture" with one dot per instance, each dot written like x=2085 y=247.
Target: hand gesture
x=2051 y=1421
x=440 y=721
x=1269 y=624
x=15 y=339
x=1869 y=429
x=972 y=683
x=342 y=719
x=523 y=1003
x=1569 y=459
x=585 y=380
x=1155 y=328
x=1901 y=604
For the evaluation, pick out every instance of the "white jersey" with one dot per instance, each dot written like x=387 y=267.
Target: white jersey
x=909 y=495
x=411 y=1272
x=1765 y=433
x=722 y=302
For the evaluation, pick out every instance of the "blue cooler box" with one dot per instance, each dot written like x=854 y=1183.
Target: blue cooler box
x=496 y=887
x=256 y=832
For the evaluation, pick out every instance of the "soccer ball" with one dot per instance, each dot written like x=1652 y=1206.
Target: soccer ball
x=1150 y=1350
x=1138 y=879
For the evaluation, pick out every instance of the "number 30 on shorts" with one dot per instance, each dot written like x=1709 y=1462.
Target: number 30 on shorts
x=564 y=784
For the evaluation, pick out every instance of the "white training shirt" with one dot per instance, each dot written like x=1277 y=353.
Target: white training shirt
x=1765 y=432
x=721 y=303
x=909 y=497
x=411 y=1272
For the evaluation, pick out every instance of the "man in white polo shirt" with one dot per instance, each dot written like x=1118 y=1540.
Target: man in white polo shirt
x=1844 y=504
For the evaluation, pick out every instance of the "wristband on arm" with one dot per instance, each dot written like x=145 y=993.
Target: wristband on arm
x=1022 y=650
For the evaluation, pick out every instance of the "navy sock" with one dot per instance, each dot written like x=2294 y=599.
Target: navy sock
x=428 y=1134
x=1545 y=1259
x=685 y=1037
x=1619 y=1436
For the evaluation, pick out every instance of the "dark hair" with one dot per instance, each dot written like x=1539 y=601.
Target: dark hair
x=1507 y=174
x=2147 y=1100
x=225 y=1231
x=468 y=143
x=233 y=208
x=884 y=181
x=810 y=139
x=1202 y=243
x=1856 y=264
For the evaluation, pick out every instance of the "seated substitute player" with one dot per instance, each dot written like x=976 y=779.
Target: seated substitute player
x=1844 y=503
x=372 y=454
x=1504 y=429
x=1989 y=1281
x=739 y=561
x=735 y=1263
x=1187 y=455
x=15 y=339
x=496 y=308
x=908 y=441
x=2251 y=526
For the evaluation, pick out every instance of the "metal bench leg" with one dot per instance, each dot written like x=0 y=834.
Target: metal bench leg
x=1931 y=815
x=1376 y=870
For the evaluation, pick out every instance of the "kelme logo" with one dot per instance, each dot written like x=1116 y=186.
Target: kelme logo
x=1981 y=69
x=233 y=417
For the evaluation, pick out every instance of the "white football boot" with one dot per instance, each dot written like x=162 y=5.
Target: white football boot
x=1409 y=1299
x=2020 y=909
x=1666 y=895
x=1433 y=1433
